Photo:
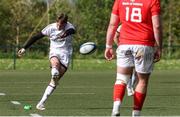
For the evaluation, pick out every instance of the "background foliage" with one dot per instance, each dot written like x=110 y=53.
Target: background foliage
x=22 y=18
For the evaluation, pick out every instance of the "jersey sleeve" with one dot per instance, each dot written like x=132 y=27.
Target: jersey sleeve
x=115 y=9
x=46 y=31
x=69 y=26
x=155 y=7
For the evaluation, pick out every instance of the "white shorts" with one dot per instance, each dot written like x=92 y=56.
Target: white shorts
x=64 y=56
x=138 y=56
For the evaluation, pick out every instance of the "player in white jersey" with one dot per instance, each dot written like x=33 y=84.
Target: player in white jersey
x=132 y=80
x=60 y=36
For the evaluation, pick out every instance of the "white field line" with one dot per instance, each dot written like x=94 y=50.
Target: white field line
x=71 y=93
x=2 y=94
x=16 y=102
x=35 y=115
x=25 y=82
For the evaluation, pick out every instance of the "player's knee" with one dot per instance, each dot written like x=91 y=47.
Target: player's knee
x=55 y=73
x=122 y=78
x=54 y=82
x=143 y=83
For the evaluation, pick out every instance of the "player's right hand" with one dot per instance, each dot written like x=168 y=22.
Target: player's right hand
x=109 y=54
x=21 y=52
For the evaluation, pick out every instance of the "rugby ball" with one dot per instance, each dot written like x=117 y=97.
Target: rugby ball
x=87 y=48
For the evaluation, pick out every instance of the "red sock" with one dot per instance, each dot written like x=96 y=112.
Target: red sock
x=138 y=100
x=119 y=91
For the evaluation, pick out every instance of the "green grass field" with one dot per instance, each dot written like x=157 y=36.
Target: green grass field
x=85 y=93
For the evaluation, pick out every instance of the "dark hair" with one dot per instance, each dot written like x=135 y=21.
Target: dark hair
x=63 y=17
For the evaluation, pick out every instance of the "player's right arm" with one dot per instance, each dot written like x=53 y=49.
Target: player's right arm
x=114 y=21
x=29 y=42
x=113 y=24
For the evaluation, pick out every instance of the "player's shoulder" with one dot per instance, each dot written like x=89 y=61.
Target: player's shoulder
x=52 y=25
x=49 y=29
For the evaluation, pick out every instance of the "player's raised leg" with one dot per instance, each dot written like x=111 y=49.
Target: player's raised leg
x=57 y=71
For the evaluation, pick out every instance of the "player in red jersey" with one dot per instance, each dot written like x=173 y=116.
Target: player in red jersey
x=140 y=32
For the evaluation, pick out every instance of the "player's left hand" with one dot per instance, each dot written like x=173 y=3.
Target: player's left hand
x=109 y=54
x=157 y=55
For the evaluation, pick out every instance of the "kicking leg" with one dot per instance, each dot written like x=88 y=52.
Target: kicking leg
x=57 y=71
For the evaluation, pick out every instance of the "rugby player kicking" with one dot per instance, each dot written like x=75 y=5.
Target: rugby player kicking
x=60 y=36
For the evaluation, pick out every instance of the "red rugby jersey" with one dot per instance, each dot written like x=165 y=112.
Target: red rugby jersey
x=136 y=19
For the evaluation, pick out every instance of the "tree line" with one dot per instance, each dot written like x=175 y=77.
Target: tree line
x=20 y=19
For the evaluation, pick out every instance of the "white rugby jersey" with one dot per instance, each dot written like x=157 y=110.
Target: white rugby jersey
x=54 y=34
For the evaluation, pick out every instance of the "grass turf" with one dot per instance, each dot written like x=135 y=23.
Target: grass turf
x=86 y=93
x=79 y=64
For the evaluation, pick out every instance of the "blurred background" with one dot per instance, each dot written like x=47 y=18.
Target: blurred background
x=20 y=19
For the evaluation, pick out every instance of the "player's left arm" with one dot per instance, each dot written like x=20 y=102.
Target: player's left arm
x=68 y=32
x=157 y=28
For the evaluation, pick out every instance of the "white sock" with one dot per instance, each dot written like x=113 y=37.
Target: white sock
x=116 y=106
x=136 y=113
x=47 y=93
x=133 y=79
x=129 y=84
